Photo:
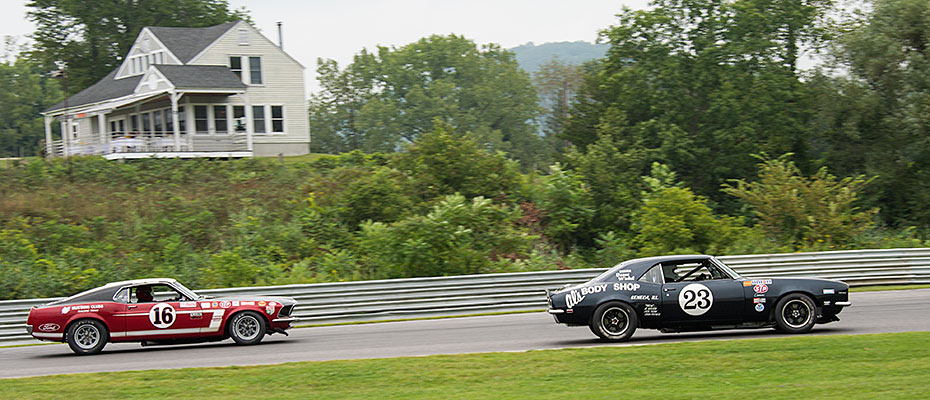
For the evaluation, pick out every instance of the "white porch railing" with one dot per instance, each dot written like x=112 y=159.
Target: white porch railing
x=152 y=143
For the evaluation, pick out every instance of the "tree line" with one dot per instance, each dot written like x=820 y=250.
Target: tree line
x=697 y=132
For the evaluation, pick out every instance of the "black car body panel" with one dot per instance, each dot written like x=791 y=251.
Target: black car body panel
x=692 y=293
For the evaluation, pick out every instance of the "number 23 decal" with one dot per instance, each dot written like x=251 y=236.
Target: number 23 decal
x=695 y=299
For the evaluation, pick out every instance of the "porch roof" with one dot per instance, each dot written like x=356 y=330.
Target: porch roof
x=105 y=89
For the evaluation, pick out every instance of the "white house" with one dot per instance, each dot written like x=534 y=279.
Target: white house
x=222 y=91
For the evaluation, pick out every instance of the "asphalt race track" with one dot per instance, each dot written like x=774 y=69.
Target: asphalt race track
x=871 y=312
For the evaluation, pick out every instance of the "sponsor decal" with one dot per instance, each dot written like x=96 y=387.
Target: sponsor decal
x=162 y=315
x=273 y=304
x=747 y=283
x=758 y=295
x=760 y=288
x=269 y=309
x=828 y=291
x=226 y=304
x=573 y=298
x=65 y=310
x=214 y=304
x=569 y=311
x=695 y=299
x=188 y=304
x=827 y=303
x=761 y=282
x=629 y=287
x=235 y=303
x=758 y=300
x=247 y=303
x=651 y=310
x=196 y=314
x=624 y=275
x=646 y=297
x=261 y=304
x=49 y=327
x=85 y=308
x=760 y=307
x=204 y=305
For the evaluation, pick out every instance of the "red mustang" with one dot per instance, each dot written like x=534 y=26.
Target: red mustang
x=156 y=311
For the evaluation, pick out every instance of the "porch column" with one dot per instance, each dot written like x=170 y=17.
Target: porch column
x=175 y=120
x=66 y=137
x=48 y=136
x=102 y=123
x=249 y=121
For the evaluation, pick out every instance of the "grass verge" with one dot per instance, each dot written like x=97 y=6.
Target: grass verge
x=886 y=366
x=887 y=287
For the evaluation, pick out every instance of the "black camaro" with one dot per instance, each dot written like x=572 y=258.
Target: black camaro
x=694 y=293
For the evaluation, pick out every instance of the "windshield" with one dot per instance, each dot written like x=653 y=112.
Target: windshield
x=727 y=268
x=185 y=291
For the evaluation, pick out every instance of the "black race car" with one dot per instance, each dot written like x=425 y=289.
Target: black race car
x=693 y=293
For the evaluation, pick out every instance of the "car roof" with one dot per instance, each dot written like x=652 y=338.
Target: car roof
x=638 y=266
x=135 y=282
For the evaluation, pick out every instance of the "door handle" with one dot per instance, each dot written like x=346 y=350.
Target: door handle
x=131 y=307
x=670 y=289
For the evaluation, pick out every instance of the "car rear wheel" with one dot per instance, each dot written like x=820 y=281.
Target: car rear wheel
x=87 y=336
x=614 y=321
x=795 y=313
x=247 y=328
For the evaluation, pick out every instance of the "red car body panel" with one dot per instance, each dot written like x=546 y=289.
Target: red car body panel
x=184 y=319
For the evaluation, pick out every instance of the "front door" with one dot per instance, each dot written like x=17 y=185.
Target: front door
x=697 y=292
x=159 y=311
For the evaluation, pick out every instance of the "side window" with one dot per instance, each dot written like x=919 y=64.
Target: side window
x=692 y=271
x=654 y=275
x=122 y=296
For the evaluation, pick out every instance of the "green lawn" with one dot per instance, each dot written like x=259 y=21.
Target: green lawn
x=882 y=366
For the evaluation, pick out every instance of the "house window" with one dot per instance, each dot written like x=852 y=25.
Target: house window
x=255 y=70
x=200 y=119
x=235 y=65
x=134 y=123
x=239 y=118
x=219 y=119
x=182 y=120
x=156 y=118
x=146 y=122
x=258 y=118
x=277 y=119
x=243 y=37
x=169 y=122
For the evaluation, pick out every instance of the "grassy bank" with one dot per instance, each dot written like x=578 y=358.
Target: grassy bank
x=864 y=366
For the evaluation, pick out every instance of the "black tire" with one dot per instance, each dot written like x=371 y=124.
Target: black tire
x=87 y=336
x=614 y=321
x=795 y=313
x=247 y=328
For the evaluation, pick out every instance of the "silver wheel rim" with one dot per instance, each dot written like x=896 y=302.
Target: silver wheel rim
x=86 y=336
x=796 y=313
x=615 y=321
x=247 y=327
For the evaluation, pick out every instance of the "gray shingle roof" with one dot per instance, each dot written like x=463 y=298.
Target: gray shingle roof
x=201 y=76
x=104 y=89
x=186 y=43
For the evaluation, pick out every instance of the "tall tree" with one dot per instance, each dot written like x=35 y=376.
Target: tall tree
x=557 y=82
x=24 y=93
x=397 y=94
x=91 y=37
x=700 y=85
x=875 y=120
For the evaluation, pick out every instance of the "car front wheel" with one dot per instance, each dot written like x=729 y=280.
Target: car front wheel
x=247 y=328
x=87 y=336
x=614 y=321
x=795 y=313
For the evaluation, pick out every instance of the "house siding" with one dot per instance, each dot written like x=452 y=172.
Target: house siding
x=282 y=84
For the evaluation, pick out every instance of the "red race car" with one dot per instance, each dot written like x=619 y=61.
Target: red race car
x=156 y=311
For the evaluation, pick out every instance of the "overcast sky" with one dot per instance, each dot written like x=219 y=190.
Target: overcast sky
x=340 y=29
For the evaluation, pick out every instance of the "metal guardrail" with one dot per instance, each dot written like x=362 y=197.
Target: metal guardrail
x=457 y=295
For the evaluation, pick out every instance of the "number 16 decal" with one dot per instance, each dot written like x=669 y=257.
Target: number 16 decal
x=162 y=315
x=695 y=299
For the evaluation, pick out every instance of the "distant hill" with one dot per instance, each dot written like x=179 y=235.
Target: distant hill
x=530 y=56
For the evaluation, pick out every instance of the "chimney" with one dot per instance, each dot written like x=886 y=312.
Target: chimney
x=280 y=36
